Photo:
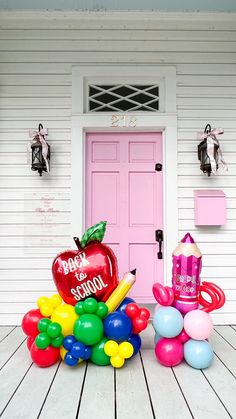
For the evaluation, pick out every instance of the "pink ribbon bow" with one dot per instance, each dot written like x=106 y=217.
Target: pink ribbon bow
x=39 y=135
x=211 y=141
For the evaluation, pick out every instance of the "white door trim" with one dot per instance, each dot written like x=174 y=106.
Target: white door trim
x=165 y=122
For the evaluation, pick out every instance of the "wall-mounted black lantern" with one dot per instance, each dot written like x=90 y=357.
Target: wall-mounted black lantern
x=40 y=151
x=208 y=153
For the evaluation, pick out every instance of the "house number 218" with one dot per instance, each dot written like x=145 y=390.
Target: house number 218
x=123 y=121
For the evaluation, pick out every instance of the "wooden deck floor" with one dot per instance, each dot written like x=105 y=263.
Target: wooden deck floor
x=142 y=389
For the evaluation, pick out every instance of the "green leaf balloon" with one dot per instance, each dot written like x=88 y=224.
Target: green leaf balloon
x=93 y=233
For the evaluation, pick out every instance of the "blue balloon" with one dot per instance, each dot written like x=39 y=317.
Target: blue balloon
x=78 y=350
x=168 y=322
x=68 y=342
x=70 y=360
x=117 y=326
x=87 y=352
x=198 y=353
x=124 y=303
x=136 y=342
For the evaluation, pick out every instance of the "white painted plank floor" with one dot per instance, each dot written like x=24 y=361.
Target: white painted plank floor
x=142 y=389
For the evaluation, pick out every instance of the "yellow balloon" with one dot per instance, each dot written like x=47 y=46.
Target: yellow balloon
x=42 y=300
x=117 y=361
x=111 y=348
x=63 y=352
x=126 y=350
x=66 y=316
x=46 y=309
x=56 y=300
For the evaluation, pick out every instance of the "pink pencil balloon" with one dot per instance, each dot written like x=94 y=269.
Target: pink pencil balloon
x=187 y=263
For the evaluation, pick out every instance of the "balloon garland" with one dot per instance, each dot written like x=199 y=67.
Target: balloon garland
x=181 y=321
x=91 y=319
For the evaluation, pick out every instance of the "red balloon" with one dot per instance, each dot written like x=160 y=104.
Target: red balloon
x=44 y=357
x=132 y=310
x=217 y=296
x=183 y=337
x=30 y=321
x=144 y=312
x=169 y=351
x=163 y=295
x=91 y=271
x=30 y=341
x=139 y=324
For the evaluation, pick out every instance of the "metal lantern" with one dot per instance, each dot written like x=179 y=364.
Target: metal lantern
x=40 y=152
x=203 y=155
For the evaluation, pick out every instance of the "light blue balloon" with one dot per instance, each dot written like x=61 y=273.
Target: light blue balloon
x=198 y=353
x=168 y=322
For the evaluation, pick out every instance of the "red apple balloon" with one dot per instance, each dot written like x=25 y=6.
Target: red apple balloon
x=89 y=271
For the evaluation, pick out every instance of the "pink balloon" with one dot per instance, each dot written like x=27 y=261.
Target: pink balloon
x=183 y=337
x=198 y=324
x=163 y=295
x=169 y=351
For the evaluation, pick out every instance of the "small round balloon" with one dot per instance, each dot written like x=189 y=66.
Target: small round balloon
x=98 y=356
x=111 y=348
x=169 y=352
x=117 y=361
x=43 y=324
x=136 y=342
x=198 y=324
x=54 y=330
x=118 y=326
x=198 y=353
x=70 y=360
x=168 y=322
x=124 y=303
x=90 y=305
x=126 y=350
x=183 y=337
x=42 y=341
x=78 y=350
x=88 y=329
x=68 y=342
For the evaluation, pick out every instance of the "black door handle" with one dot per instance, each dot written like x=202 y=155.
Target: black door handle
x=159 y=239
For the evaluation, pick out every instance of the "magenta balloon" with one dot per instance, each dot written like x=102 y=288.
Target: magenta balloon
x=183 y=337
x=163 y=295
x=169 y=351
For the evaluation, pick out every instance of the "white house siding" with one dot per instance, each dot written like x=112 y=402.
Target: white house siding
x=37 y=51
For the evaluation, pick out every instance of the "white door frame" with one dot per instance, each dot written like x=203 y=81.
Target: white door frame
x=165 y=122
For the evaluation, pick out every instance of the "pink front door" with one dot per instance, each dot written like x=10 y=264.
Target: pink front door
x=124 y=189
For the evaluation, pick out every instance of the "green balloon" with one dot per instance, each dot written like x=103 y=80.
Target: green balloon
x=102 y=310
x=42 y=341
x=98 y=356
x=88 y=329
x=43 y=324
x=90 y=305
x=54 y=330
x=79 y=308
x=57 y=342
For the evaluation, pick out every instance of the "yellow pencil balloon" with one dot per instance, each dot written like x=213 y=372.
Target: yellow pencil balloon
x=121 y=291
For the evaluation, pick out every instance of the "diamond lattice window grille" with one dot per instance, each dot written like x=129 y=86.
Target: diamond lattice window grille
x=123 y=98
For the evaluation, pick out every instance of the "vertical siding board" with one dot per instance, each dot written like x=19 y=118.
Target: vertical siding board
x=35 y=76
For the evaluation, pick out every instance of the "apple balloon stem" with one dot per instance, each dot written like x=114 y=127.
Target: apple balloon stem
x=77 y=242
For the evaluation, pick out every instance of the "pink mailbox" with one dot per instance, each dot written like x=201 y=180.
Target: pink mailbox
x=209 y=207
